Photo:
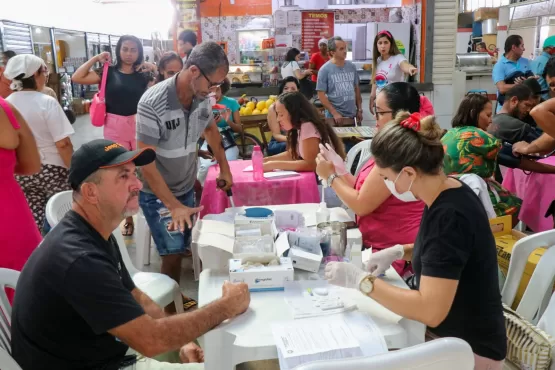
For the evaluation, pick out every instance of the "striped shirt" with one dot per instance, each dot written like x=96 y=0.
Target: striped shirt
x=164 y=123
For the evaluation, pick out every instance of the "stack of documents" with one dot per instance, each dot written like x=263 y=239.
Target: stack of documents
x=346 y=335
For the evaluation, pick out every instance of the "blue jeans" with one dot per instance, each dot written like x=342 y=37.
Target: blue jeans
x=276 y=147
x=158 y=218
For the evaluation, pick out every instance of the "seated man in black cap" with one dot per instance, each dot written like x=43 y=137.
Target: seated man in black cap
x=76 y=306
x=508 y=125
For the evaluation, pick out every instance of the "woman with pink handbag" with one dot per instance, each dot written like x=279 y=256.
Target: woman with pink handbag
x=122 y=85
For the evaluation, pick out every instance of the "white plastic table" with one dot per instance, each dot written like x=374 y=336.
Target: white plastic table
x=248 y=337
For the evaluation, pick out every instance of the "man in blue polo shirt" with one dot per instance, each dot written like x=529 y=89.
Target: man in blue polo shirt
x=538 y=64
x=509 y=63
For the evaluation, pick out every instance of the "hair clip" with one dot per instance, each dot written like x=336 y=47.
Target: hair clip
x=412 y=123
x=385 y=32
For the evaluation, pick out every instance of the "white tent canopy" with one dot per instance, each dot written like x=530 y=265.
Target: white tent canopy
x=137 y=17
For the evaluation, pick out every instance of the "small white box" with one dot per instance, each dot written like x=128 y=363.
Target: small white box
x=263 y=278
x=305 y=260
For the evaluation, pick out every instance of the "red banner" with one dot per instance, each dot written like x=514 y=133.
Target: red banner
x=189 y=17
x=315 y=26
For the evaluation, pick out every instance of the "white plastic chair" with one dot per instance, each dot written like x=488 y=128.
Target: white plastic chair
x=7 y=362
x=439 y=354
x=160 y=288
x=8 y=279
x=365 y=154
x=547 y=324
x=538 y=292
x=143 y=243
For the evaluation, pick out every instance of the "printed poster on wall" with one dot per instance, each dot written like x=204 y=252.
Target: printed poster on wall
x=189 y=17
x=316 y=25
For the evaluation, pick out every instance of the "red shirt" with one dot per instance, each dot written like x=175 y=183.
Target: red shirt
x=318 y=60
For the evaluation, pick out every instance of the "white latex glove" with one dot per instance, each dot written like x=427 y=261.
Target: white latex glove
x=382 y=260
x=344 y=274
x=338 y=162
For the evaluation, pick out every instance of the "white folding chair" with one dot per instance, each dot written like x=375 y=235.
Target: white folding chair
x=7 y=362
x=8 y=279
x=365 y=154
x=439 y=354
x=142 y=241
x=538 y=292
x=160 y=288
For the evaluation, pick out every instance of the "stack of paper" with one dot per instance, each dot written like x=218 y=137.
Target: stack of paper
x=339 y=336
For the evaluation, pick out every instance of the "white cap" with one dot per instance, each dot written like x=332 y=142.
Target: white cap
x=20 y=67
x=322 y=41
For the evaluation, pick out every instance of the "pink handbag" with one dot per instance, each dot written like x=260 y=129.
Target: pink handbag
x=98 y=104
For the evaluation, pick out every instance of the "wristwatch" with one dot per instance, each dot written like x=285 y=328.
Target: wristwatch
x=367 y=284
x=330 y=179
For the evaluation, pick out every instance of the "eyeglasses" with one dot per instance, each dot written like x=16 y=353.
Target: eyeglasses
x=211 y=85
x=382 y=112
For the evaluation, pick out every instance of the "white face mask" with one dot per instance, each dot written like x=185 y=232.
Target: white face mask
x=407 y=196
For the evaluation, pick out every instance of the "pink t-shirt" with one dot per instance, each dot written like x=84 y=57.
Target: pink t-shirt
x=393 y=222
x=307 y=131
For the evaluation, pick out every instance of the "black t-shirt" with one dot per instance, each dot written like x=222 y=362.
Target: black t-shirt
x=123 y=91
x=455 y=242
x=511 y=129
x=73 y=289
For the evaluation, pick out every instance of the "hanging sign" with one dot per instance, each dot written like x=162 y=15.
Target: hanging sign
x=189 y=17
x=315 y=26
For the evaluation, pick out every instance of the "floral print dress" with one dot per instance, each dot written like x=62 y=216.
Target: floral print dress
x=471 y=150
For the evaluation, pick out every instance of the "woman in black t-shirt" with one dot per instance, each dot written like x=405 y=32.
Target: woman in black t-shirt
x=454 y=255
x=126 y=82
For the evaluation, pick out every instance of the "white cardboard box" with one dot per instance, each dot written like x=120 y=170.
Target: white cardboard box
x=301 y=259
x=262 y=278
x=223 y=235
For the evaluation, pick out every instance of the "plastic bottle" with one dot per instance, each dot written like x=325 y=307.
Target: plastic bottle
x=257 y=164
x=323 y=213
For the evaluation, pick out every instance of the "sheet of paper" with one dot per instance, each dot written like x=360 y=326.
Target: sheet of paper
x=248 y=169
x=282 y=244
x=279 y=174
x=301 y=299
x=307 y=337
x=280 y=19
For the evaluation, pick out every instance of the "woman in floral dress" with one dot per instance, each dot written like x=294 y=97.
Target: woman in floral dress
x=470 y=149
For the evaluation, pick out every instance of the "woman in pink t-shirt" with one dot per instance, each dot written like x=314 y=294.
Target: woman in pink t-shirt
x=383 y=220
x=306 y=130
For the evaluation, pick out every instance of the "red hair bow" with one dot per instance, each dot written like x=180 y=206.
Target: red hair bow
x=412 y=123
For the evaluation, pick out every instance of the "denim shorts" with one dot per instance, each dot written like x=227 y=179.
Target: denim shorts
x=158 y=218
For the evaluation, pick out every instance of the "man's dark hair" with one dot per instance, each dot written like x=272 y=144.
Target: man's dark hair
x=513 y=40
x=521 y=92
x=9 y=54
x=533 y=85
x=549 y=69
x=208 y=56
x=188 y=36
x=483 y=45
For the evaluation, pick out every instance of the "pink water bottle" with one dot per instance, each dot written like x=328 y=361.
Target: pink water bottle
x=257 y=164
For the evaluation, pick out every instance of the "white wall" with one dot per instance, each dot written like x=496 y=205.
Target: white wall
x=462 y=42
x=528 y=37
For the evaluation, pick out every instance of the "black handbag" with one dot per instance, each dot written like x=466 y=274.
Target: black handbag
x=228 y=139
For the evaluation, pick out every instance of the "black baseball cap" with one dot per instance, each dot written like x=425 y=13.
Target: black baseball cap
x=101 y=153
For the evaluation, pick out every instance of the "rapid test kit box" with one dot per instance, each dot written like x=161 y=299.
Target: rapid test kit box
x=262 y=276
x=247 y=238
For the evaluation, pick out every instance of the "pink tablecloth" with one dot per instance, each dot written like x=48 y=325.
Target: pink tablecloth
x=536 y=191
x=247 y=192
